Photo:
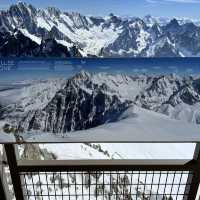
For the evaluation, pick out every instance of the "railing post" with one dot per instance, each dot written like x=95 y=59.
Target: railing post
x=193 y=180
x=4 y=194
x=14 y=172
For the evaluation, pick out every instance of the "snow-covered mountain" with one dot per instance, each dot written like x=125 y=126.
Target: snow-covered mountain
x=54 y=33
x=174 y=96
x=89 y=100
x=85 y=101
x=82 y=104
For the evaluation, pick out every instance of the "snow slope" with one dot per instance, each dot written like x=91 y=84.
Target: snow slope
x=135 y=125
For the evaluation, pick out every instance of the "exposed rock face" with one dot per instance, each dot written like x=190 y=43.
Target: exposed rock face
x=159 y=91
x=50 y=48
x=82 y=104
x=34 y=152
x=18 y=45
x=173 y=96
x=170 y=89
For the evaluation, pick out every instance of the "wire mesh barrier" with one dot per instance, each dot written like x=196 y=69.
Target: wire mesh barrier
x=160 y=179
x=105 y=185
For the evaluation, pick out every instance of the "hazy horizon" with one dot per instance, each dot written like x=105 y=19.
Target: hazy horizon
x=137 y=8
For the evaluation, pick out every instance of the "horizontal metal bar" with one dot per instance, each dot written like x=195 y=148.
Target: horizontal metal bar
x=89 y=165
x=67 y=141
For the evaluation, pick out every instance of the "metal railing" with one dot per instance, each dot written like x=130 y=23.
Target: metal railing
x=175 y=179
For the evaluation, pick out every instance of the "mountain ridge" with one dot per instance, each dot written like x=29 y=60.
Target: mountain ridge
x=111 y=36
x=88 y=100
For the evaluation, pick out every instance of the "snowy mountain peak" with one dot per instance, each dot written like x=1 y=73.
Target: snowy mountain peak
x=22 y=4
x=149 y=20
x=174 y=22
x=82 y=76
x=54 y=11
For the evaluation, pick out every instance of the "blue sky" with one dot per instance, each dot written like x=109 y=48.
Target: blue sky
x=165 y=8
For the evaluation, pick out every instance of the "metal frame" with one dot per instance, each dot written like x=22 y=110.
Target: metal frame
x=14 y=171
x=23 y=166
x=110 y=165
x=4 y=194
x=195 y=178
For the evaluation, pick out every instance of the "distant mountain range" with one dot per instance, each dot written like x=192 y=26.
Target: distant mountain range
x=89 y=100
x=31 y=32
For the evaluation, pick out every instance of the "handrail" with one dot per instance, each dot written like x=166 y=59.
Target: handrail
x=84 y=165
